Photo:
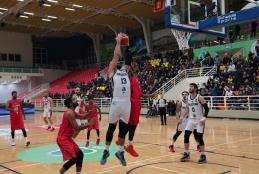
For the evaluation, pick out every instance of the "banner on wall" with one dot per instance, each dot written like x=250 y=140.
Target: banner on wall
x=246 y=46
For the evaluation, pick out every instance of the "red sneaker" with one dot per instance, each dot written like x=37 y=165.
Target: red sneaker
x=117 y=143
x=131 y=151
x=98 y=141
x=49 y=127
x=171 y=148
x=87 y=144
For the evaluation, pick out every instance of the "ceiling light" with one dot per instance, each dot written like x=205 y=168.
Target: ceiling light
x=46 y=5
x=79 y=6
x=70 y=9
x=52 y=1
x=20 y=0
x=22 y=16
x=53 y=17
x=28 y=13
x=5 y=9
x=47 y=20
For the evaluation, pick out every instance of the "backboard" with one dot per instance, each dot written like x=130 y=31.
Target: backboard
x=185 y=15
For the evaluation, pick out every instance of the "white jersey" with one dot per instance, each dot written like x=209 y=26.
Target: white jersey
x=46 y=103
x=183 y=108
x=195 y=107
x=78 y=99
x=121 y=85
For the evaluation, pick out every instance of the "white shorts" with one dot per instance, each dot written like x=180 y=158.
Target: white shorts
x=181 y=126
x=194 y=123
x=120 y=110
x=46 y=113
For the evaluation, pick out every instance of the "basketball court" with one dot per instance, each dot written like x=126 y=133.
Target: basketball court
x=232 y=147
x=231 y=139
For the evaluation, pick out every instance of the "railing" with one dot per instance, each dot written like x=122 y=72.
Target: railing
x=188 y=73
x=249 y=103
x=19 y=70
x=101 y=102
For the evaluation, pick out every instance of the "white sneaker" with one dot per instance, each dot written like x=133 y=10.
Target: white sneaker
x=13 y=143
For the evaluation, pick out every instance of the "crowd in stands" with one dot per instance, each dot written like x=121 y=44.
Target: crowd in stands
x=236 y=76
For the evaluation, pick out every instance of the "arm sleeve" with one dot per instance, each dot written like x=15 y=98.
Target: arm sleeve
x=206 y=109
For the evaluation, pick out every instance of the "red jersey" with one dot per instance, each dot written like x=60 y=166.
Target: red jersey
x=136 y=91
x=94 y=115
x=16 y=116
x=66 y=128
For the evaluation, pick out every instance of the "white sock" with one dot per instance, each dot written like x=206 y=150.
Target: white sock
x=78 y=172
x=202 y=153
x=130 y=143
x=107 y=147
x=121 y=148
x=26 y=139
x=12 y=139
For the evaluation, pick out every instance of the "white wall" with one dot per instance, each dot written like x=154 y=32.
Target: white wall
x=176 y=91
x=5 y=90
x=17 y=43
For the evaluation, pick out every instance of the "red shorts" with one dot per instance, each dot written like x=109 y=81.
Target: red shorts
x=67 y=147
x=16 y=122
x=135 y=112
x=95 y=126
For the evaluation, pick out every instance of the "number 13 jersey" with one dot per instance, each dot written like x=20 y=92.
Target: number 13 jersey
x=121 y=84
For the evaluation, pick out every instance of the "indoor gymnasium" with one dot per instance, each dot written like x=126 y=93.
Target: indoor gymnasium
x=129 y=86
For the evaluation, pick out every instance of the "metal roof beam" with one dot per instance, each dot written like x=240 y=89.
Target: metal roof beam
x=15 y=9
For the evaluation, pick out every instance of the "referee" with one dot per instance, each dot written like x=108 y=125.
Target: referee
x=162 y=109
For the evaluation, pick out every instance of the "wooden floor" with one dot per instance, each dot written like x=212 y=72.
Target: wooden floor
x=232 y=147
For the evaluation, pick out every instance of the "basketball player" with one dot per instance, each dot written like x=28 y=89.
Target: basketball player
x=136 y=94
x=121 y=105
x=16 y=117
x=47 y=111
x=69 y=149
x=77 y=109
x=89 y=105
x=197 y=118
x=180 y=111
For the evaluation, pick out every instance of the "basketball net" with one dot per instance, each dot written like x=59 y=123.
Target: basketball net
x=182 y=38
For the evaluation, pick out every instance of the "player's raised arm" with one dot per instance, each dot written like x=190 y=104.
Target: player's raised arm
x=116 y=55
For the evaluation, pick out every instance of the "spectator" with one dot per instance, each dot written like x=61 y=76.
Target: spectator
x=253 y=29
x=237 y=32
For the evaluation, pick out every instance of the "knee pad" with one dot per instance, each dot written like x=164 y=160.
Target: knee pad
x=79 y=158
x=187 y=136
x=109 y=134
x=123 y=129
x=200 y=139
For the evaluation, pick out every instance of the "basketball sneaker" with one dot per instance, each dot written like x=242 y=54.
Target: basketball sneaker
x=131 y=151
x=202 y=159
x=27 y=143
x=13 y=143
x=48 y=127
x=97 y=141
x=171 y=148
x=120 y=156
x=105 y=156
x=117 y=143
x=186 y=157
x=52 y=129
x=87 y=144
